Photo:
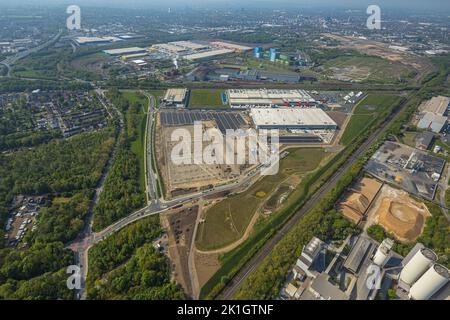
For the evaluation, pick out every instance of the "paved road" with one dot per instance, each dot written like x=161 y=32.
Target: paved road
x=151 y=176
x=87 y=238
x=258 y=258
x=80 y=246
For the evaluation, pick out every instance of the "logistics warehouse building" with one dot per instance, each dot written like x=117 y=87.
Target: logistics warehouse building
x=292 y=119
x=176 y=98
x=266 y=98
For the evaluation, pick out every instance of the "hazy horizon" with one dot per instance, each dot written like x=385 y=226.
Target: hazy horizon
x=430 y=5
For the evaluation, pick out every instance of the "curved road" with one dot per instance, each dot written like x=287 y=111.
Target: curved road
x=10 y=61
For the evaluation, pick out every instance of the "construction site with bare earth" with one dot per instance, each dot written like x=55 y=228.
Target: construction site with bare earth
x=398 y=213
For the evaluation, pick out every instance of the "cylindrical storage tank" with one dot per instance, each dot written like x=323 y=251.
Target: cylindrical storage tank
x=417 y=266
x=430 y=283
x=381 y=256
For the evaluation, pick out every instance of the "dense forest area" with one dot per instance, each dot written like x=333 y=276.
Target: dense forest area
x=69 y=169
x=127 y=266
x=123 y=191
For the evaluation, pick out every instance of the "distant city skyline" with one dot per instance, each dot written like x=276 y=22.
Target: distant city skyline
x=411 y=4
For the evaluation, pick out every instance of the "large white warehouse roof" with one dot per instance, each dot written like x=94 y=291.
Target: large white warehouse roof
x=294 y=117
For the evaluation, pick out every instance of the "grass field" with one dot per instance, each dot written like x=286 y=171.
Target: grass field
x=365 y=113
x=227 y=221
x=367 y=68
x=60 y=200
x=206 y=99
x=409 y=138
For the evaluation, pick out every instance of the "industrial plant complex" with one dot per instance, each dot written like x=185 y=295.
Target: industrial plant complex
x=361 y=269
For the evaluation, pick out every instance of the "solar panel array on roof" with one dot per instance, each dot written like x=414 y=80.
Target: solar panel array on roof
x=224 y=120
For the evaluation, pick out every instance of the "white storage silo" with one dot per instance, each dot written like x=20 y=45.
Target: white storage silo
x=383 y=252
x=381 y=256
x=430 y=283
x=417 y=266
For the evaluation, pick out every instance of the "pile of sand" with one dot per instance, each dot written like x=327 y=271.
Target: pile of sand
x=356 y=204
x=398 y=213
x=405 y=219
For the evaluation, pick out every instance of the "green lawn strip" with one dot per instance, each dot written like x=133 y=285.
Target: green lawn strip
x=239 y=209
x=206 y=99
x=366 y=112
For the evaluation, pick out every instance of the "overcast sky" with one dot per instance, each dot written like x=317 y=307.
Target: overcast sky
x=440 y=5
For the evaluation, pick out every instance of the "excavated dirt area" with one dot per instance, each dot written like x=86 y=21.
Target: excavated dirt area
x=398 y=214
x=358 y=201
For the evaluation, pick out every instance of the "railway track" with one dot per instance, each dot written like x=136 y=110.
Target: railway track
x=233 y=286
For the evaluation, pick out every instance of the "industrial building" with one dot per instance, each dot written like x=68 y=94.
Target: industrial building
x=432 y=121
x=424 y=140
x=231 y=46
x=267 y=98
x=350 y=275
x=357 y=255
x=438 y=105
x=434 y=114
x=309 y=255
x=175 y=98
x=189 y=45
x=421 y=277
x=125 y=51
x=383 y=253
x=207 y=55
x=180 y=48
x=292 y=119
x=94 y=40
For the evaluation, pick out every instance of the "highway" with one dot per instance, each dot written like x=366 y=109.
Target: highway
x=8 y=62
x=233 y=286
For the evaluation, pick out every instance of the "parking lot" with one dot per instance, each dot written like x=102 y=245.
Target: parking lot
x=225 y=120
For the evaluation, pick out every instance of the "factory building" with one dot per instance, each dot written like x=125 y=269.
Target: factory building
x=383 y=253
x=189 y=45
x=207 y=55
x=273 y=54
x=292 y=119
x=309 y=256
x=257 y=52
x=231 y=46
x=417 y=265
x=180 y=48
x=431 y=282
x=171 y=49
x=125 y=51
x=434 y=114
x=432 y=121
x=82 y=41
x=175 y=98
x=438 y=105
x=357 y=255
x=422 y=278
x=267 y=98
